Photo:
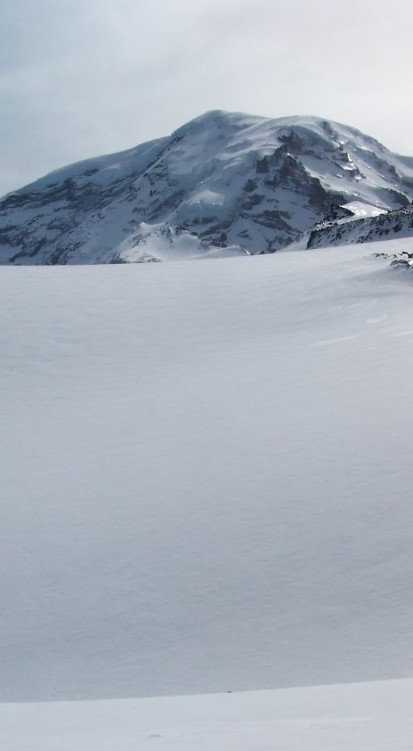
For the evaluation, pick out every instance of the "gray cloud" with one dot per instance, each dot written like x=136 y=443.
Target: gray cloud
x=81 y=79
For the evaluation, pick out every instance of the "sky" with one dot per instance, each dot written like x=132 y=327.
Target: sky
x=82 y=79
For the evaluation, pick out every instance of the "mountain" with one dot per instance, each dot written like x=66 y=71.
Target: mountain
x=223 y=184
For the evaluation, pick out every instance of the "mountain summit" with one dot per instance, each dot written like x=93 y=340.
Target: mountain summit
x=222 y=184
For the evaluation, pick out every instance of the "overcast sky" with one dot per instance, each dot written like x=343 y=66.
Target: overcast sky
x=80 y=78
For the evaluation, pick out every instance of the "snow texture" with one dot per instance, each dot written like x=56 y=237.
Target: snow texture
x=205 y=477
x=206 y=487
x=360 y=717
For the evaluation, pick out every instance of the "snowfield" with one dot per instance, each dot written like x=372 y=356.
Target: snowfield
x=360 y=717
x=206 y=487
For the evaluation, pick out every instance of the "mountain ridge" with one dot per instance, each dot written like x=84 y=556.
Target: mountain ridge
x=232 y=182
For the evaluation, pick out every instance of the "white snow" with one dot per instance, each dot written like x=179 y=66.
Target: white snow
x=206 y=204
x=362 y=210
x=360 y=717
x=160 y=242
x=206 y=486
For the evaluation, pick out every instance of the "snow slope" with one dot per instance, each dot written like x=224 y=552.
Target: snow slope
x=206 y=482
x=223 y=179
x=360 y=717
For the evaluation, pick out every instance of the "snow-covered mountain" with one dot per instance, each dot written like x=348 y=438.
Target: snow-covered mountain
x=223 y=183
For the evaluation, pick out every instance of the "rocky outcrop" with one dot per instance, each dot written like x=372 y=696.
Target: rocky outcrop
x=383 y=227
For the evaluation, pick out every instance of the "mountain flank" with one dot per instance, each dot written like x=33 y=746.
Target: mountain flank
x=223 y=184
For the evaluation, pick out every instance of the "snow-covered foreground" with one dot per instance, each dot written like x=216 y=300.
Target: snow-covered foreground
x=206 y=482
x=360 y=717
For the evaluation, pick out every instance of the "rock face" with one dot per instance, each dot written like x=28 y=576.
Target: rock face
x=386 y=226
x=223 y=184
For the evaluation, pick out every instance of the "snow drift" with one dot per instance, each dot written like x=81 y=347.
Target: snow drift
x=206 y=482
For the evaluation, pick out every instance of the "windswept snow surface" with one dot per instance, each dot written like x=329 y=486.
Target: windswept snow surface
x=206 y=476
x=360 y=717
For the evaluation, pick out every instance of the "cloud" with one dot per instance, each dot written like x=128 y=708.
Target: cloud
x=79 y=79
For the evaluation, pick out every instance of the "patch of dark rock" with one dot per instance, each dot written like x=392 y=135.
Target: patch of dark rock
x=250 y=185
x=29 y=253
x=170 y=203
x=16 y=200
x=400 y=198
x=252 y=201
x=262 y=166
